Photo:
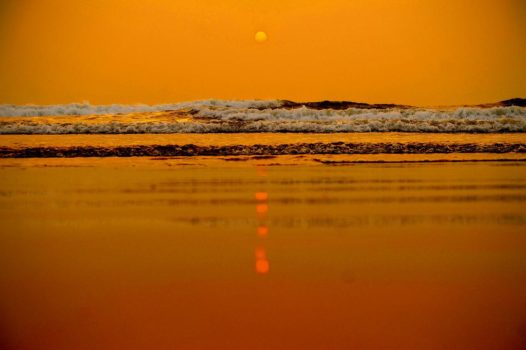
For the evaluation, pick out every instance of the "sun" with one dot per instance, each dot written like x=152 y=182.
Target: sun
x=261 y=37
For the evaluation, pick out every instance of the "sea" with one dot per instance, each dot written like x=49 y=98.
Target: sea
x=263 y=225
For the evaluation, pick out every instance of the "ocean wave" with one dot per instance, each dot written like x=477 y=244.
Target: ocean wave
x=265 y=116
x=85 y=108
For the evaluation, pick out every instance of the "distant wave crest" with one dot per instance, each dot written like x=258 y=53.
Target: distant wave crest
x=253 y=116
x=10 y=110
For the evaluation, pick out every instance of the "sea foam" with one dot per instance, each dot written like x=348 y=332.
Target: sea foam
x=215 y=116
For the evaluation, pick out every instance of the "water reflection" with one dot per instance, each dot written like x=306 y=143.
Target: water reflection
x=262 y=263
x=261 y=196
x=347 y=264
x=262 y=231
x=262 y=207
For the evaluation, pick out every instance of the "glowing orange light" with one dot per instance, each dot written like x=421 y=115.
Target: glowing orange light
x=260 y=37
x=261 y=196
x=262 y=263
x=261 y=254
x=262 y=266
x=262 y=231
x=262 y=208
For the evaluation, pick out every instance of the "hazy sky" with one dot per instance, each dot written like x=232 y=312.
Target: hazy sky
x=423 y=52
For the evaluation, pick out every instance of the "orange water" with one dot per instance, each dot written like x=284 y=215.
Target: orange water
x=248 y=139
x=236 y=255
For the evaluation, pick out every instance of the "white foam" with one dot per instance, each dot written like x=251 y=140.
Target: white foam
x=259 y=116
x=9 y=110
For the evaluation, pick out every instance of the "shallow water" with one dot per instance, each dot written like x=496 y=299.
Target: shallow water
x=129 y=254
x=218 y=139
x=503 y=146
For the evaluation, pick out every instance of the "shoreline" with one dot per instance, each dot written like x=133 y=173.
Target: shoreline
x=293 y=161
x=189 y=150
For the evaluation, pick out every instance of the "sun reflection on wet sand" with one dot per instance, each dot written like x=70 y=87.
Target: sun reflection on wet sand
x=262 y=263
x=262 y=196
x=368 y=256
x=262 y=231
x=262 y=207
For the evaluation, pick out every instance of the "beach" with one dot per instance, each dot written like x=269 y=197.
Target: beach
x=263 y=225
x=490 y=146
x=262 y=175
x=283 y=253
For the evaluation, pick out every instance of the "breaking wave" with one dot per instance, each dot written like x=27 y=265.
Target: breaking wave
x=9 y=110
x=215 y=116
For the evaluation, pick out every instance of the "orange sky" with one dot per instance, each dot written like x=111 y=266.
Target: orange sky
x=423 y=52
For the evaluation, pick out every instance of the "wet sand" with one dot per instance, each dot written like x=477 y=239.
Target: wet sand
x=218 y=139
x=277 y=253
x=69 y=146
